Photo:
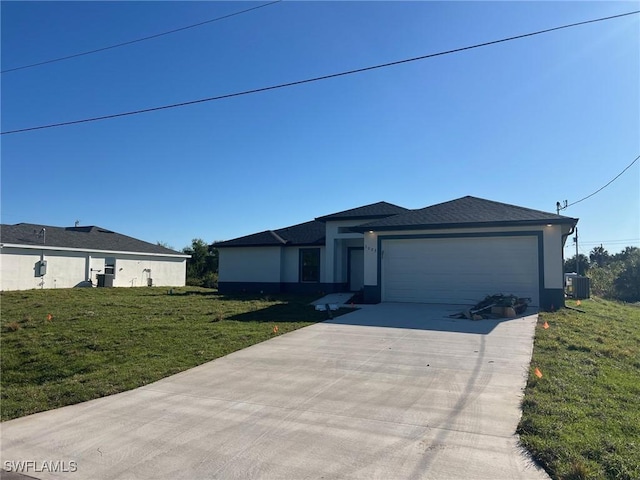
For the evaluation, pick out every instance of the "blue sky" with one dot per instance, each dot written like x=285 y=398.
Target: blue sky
x=527 y=122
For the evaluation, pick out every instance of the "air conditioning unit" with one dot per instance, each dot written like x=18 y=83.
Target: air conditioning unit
x=105 y=279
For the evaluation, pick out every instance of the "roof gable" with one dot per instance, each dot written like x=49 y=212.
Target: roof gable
x=465 y=212
x=308 y=233
x=80 y=238
x=372 y=211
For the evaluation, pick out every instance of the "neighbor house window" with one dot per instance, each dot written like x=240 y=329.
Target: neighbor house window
x=110 y=265
x=309 y=264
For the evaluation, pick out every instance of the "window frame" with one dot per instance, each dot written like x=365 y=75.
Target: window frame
x=110 y=266
x=301 y=266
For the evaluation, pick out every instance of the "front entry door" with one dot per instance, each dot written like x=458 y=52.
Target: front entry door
x=356 y=269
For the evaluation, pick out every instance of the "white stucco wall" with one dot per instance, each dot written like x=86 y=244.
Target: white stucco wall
x=17 y=269
x=552 y=244
x=335 y=262
x=291 y=264
x=341 y=252
x=264 y=264
x=249 y=264
x=370 y=258
x=69 y=268
x=135 y=270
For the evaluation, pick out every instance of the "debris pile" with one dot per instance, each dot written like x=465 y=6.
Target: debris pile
x=495 y=306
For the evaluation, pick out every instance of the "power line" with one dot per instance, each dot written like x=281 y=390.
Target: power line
x=139 y=39
x=316 y=79
x=605 y=186
x=604 y=242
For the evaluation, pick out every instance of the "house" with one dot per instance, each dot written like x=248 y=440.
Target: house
x=455 y=252
x=42 y=256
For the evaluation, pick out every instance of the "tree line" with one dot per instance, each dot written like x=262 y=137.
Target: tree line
x=202 y=267
x=614 y=276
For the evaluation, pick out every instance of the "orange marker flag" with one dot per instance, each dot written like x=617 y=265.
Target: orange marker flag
x=538 y=372
x=275 y=329
x=49 y=317
x=545 y=325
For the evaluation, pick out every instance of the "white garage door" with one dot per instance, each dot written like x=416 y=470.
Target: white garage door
x=459 y=270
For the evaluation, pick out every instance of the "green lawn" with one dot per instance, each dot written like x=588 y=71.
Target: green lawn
x=581 y=420
x=104 y=341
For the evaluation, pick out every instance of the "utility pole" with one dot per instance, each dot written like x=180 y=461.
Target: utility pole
x=560 y=206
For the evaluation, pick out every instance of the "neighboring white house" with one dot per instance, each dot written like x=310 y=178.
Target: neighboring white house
x=455 y=252
x=41 y=256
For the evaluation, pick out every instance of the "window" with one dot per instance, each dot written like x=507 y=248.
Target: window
x=110 y=265
x=309 y=264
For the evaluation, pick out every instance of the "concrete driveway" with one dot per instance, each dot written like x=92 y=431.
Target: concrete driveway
x=392 y=391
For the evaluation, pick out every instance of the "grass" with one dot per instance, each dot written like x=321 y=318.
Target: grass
x=61 y=347
x=581 y=419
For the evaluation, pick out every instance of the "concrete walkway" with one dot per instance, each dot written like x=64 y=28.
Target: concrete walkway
x=394 y=391
x=337 y=299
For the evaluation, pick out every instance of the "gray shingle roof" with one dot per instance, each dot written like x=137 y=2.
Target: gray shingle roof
x=81 y=238
x=463 y=212
x=466 y=212
x=308 y=233
x=374 y=210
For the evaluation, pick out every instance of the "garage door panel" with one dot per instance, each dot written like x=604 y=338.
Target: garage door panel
x=459 y=270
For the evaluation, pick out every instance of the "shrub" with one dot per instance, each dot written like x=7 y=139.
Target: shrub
x=210 y=280
x=193 y=282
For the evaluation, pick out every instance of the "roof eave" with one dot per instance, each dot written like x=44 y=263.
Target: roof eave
x=91 y=250
x=288 y=244
x=440 y=226
x=238 y=245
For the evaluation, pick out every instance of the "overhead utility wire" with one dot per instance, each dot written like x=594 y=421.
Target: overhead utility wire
x=315 y=79
x=611 y=242
x=605 y=186
x=139 y=39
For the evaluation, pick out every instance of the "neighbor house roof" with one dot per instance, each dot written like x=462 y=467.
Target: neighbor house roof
x=308 y=233
x=465 y=212
x=80 y=238
x=372 y=211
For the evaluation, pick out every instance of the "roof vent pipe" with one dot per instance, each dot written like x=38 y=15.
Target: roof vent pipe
x=42 y=233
